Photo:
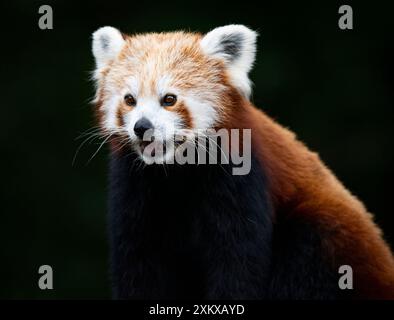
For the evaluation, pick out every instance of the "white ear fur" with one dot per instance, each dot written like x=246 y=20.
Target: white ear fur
x=236 y=45
x=107 y=43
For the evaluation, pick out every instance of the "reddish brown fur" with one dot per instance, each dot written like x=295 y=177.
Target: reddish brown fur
x=302 y=186
x=184 y=113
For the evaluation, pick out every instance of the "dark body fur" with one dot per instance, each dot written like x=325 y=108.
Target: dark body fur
x=199 y=232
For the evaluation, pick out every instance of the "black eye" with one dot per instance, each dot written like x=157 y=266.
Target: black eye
x=129 y=100
x=168 y=100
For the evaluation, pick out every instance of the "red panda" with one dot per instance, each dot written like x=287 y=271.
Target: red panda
x=280 y=232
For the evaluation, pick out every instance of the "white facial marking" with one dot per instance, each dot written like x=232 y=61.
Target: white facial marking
x=110 y=108
x=164 y=87
x=164 y=122
x=204 y=115
x=132 y=86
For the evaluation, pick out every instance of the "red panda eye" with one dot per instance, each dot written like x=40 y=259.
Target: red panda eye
x=129 y=99
x=168 y=100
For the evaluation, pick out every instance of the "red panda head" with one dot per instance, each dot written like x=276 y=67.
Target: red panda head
x=167 y=82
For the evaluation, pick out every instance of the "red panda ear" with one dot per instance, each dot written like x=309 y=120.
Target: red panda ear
x=107 y=43
x=236 y=45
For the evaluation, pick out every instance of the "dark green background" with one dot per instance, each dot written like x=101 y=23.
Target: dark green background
x=334 y=88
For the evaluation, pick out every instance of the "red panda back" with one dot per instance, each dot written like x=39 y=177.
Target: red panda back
x=303 y=187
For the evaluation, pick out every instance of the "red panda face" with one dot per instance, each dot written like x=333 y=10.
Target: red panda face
x=164 y=84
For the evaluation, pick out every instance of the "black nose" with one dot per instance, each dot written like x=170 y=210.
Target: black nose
x=141 y=126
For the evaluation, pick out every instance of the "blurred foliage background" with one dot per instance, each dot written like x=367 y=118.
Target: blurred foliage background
x=334 y=88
